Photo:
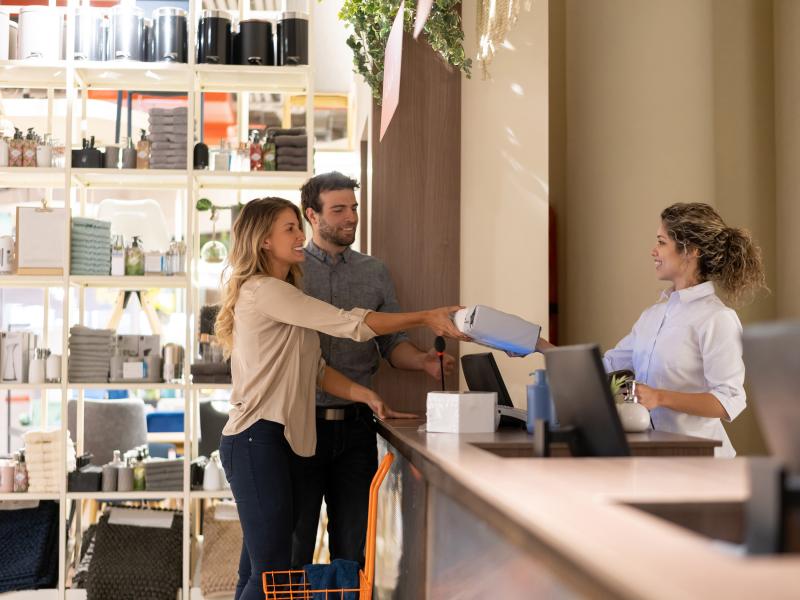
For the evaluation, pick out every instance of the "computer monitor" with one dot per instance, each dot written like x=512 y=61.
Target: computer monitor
x=582 y=398
x=772 y=361
x=482 y=375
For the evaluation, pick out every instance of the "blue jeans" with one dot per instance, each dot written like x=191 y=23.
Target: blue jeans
x=341 y=471
x=257 y=464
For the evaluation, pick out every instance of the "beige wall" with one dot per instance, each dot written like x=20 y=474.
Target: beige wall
x=666 y=101
x=787 y=143
x=504 y=182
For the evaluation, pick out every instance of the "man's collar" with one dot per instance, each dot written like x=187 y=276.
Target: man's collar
x=323 y=256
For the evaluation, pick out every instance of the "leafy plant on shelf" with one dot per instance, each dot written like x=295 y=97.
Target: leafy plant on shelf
x=372 y=20
x=619 y=382
x=214 y=251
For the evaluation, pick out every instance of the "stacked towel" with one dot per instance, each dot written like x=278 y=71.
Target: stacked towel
x=90 y=253
x=162 y=475
x=291 y=148
x=168 y=131
x=89 y=354
x=42 y=458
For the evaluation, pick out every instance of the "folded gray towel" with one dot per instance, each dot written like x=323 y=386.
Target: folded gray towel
x=276 y=131
x=299 y=141
x=292 y=168
x=291 y=151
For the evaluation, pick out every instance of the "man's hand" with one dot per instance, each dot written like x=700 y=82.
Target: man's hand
x=430 y=364
x=382 y=411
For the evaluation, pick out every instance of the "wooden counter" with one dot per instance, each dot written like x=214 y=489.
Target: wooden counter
x=567 y=527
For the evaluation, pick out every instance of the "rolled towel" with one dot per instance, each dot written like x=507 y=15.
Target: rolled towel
x=291 y=151
x=291 y=140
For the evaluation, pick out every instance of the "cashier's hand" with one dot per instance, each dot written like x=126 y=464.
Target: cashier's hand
x=649 y=397
x=383 y=412
x=431 y=366
x=440 y=321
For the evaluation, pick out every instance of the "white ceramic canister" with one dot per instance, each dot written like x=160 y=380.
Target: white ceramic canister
x=90 y=34
x=53 y=369
x=13 y=31
x=3 y=152
x=44 y=155
x=6 y=254
x=4 y=33
x=40 y=33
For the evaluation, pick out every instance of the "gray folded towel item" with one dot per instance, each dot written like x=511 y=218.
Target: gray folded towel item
x=291 y=168
x=291 y=163
x=178 y=110
x=291 y=151
x=92 y=223
x=84 y=331
x=276 y=131
x=291 y=140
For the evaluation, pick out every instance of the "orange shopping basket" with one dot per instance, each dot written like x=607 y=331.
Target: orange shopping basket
x=292 y=585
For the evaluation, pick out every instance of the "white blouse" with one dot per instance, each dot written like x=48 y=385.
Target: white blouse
x=688 y=342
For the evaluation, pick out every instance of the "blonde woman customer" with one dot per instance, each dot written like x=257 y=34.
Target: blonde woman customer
x=686 y=350
x=269 y=327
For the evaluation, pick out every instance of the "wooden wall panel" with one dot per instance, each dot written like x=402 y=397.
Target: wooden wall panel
x=415 y=220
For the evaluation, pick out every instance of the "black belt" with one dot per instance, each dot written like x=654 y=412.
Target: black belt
x=342 y=413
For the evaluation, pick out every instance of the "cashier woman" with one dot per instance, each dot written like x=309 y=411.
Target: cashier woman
x=686 y=350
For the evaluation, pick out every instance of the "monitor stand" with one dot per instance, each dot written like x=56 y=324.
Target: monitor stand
x=773 y=510
x=544 y=436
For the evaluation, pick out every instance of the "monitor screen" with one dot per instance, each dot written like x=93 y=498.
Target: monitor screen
x=482 y=375
x=583 y=400
x=772 y=360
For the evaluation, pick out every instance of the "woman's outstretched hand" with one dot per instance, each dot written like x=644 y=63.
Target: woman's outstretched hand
x=440 y=321
x=382 y=411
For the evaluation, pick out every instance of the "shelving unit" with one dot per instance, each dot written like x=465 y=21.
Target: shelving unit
x=76 y=78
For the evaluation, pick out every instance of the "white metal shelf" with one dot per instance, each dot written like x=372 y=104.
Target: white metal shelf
x=32 y=177
x=127 y=385
x=154 y=179
x=133 y=495
x=33 y=74
x=251 y=180
x=29 y=496
x=130 y=282
x=5 y=386
x=249 y=78
x=211 y=386
x=133 y=76
x=31 y=281
x=203 y=494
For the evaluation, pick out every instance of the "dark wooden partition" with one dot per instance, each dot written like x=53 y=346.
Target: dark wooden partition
x=416 y=189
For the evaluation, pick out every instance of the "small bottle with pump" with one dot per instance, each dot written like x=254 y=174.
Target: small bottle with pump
x=134 y=258
x=539 y=402
x=20 y=472
x=143 y=152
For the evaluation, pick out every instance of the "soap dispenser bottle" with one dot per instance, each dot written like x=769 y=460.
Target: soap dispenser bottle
x=539 y=402
x=134 y=258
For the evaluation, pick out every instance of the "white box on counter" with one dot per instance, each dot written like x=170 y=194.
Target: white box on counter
x=461 y=412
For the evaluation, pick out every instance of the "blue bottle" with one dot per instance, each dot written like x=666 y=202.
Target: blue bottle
x=540 y=405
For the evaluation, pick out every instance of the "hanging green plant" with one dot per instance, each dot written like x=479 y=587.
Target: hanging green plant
x=372 y=20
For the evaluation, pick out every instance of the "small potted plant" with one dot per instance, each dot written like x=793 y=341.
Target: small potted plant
x=635 y=417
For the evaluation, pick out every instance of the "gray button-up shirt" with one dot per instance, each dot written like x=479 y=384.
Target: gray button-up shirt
x=355 y=280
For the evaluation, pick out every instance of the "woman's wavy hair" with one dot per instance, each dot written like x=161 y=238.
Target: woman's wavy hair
x=726 y=255
x=248 y=258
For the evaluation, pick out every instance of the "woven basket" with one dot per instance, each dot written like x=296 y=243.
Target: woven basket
x=222 y=546
x=29 y=547
x=135 y=563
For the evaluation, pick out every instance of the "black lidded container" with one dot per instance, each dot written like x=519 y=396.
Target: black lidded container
x=215 y=38
x=254 y=43
x=148 y=41
x=171 y=34
x=293 y=39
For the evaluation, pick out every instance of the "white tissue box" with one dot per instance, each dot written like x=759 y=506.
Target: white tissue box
x=461 y=412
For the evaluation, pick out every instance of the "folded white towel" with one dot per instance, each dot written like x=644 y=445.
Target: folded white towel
x=34 y=437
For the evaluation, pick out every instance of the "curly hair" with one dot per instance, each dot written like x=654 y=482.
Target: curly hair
x=247 y=259
x=726 y=255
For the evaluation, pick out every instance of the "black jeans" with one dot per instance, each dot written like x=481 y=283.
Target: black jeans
x=341 y=471
x=258 y=465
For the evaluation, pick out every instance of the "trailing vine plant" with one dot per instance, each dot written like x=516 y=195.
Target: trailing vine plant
x=372 y=20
